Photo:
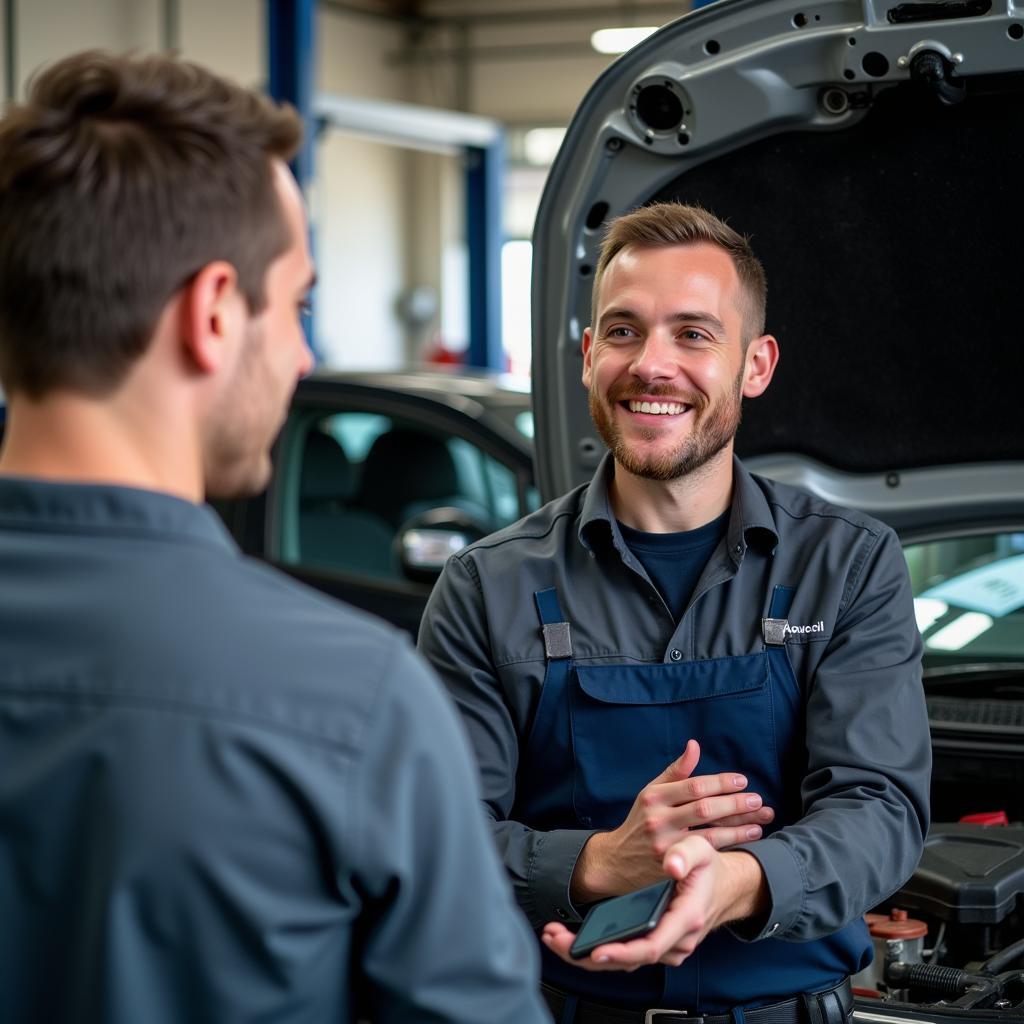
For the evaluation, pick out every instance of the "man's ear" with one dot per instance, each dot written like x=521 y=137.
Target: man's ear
x=212 y=310
x=588 y=365
x=761 y=358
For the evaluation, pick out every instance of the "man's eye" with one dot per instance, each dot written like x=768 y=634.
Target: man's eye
x=306 y=307
x=621 y=332
x=691 y=335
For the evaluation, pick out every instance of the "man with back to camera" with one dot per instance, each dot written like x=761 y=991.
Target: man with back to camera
x=678 y=609
x=224 y=797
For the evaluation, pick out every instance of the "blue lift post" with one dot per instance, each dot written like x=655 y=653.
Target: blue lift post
x=485 y=167
x=292 y=70
x=292 y=78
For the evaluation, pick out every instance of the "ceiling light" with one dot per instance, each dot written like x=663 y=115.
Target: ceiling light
x=619 y=40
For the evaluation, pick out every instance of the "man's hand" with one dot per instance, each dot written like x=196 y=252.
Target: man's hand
x=712 y=889
x=630 y=857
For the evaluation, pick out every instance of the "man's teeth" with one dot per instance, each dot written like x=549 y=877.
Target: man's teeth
x=657 y=408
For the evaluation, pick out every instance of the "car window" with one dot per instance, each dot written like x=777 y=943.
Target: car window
x=969 y=596
x=352 y=480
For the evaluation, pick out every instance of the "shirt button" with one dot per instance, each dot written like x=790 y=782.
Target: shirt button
x=774 y=928
x=563 y=914
x=675 y=654
x=738 y=549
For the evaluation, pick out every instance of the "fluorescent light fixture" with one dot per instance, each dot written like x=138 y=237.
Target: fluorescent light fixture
x=960 y=632
x=928 y=610
x=619 y=40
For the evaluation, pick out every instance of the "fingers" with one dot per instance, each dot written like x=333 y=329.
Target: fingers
x=676 y=936
x=682 y=767
x=678 y=933
x=704 y=787
x=559 y=939
x=762 y=816
x=735 y=809
x=686 y=857
x=721 y=838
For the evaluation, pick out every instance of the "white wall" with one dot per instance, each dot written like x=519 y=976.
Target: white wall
x=48 y=29
x=226 y=35
x=360 y=203
x=540 y=84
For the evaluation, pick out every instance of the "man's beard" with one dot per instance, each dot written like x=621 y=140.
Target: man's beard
x=236 y=463
x=713 y=428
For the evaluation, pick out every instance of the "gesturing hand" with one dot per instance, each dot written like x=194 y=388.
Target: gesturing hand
x=664 y=812
x=712 y=888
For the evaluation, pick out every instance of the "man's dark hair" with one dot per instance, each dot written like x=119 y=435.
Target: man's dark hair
x=120 y=179
x=663 y=225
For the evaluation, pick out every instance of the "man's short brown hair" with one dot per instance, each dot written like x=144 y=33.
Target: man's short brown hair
x=120 y=179
x=662 y=225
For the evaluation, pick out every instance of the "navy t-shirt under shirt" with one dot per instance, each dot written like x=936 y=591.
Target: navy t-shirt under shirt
x=674 y=561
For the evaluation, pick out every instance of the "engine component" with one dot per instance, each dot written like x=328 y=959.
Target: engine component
x=968 y=874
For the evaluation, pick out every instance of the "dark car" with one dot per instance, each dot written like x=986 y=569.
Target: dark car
x=873 y=151
x=378 y=477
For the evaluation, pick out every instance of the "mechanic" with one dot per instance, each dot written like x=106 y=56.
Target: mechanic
x=224 y=797
x=680 y=657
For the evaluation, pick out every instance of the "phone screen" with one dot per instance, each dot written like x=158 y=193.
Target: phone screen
x=624 y=917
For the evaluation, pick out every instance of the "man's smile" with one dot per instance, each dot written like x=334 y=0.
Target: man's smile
x=656 y=408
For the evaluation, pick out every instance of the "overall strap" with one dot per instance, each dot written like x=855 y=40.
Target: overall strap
x=557 y=639
x=775 y=624
x=782 y=601
x=544 y=779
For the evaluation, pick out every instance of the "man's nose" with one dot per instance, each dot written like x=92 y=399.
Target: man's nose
x=656 y=358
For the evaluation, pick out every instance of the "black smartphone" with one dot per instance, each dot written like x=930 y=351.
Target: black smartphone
x=622 y=918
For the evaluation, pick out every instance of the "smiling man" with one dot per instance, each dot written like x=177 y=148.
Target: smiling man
x=683 y=669
x=223 y=797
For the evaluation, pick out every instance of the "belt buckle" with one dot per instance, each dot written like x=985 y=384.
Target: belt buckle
x=651 y=1016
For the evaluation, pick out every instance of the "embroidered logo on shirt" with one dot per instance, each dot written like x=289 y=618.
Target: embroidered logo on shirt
x=814 y=627
x=778 y=631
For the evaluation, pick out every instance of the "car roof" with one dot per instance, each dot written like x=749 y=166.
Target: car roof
x=497 y=399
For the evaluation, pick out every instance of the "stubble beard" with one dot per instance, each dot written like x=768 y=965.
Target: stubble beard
x=714 y=427
x=237 y=463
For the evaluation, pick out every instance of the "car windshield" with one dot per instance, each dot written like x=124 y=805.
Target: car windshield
x=969 y=597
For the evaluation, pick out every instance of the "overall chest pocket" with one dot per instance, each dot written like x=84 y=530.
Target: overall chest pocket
x=629 y=722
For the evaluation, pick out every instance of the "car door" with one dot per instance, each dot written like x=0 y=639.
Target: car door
x=364 y=477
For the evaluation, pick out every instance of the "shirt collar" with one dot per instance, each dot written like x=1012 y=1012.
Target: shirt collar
x=750 y=518
x=30 y=503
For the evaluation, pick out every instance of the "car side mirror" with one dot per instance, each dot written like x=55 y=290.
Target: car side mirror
x=427 y=540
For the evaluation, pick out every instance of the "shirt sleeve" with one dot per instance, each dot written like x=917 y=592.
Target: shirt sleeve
x=865 y=794
x=443 y=939
x=454 y=638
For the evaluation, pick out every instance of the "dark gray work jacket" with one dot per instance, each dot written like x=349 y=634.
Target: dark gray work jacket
x=853 y=643
x=223 y=796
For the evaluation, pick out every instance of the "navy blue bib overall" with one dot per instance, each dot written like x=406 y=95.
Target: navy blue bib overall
x=601 y=733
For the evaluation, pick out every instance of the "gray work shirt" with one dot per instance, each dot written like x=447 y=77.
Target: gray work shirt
x=225 y=797
x=865 y=793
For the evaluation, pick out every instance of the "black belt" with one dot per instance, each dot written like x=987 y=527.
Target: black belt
x=833 y=1006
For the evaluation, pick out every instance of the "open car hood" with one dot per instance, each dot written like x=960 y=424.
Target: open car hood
x=872 y=152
